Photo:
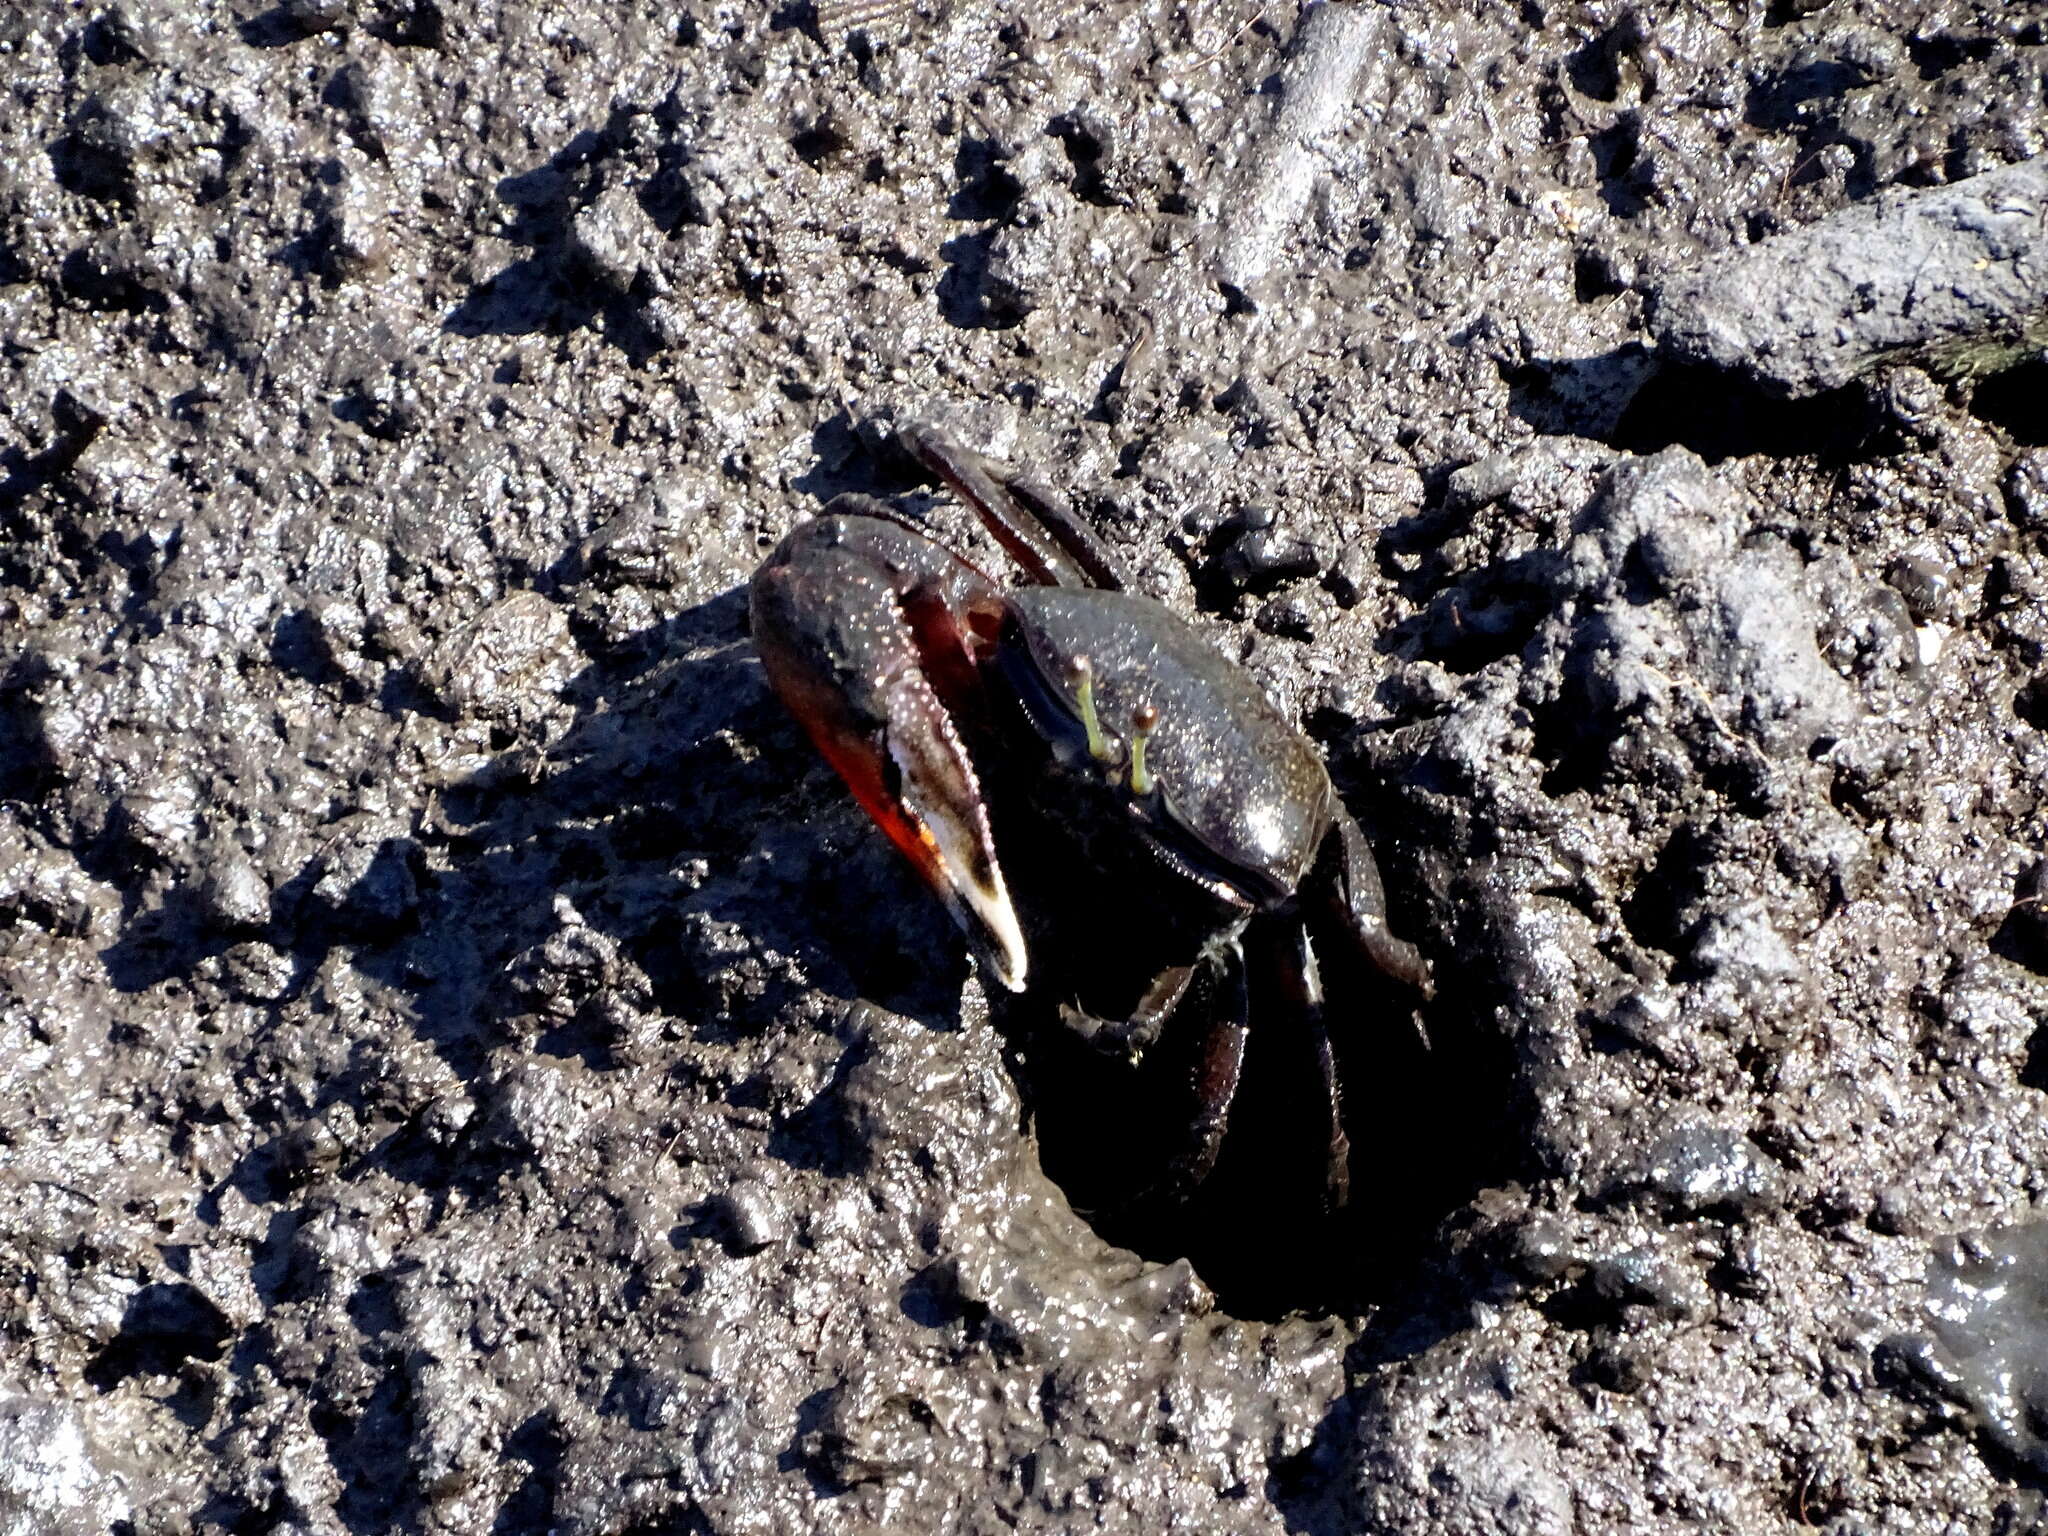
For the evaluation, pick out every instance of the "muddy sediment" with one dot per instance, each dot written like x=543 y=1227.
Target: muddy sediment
x=466 y=1066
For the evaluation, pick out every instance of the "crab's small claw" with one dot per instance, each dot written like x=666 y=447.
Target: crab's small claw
x=829 y=624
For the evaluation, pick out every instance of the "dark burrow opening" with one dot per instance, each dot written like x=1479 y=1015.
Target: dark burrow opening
x=2030 y=701
x=1426 y=1133
x=1721 y=415
x=2017 y=400
x=1425 y=1105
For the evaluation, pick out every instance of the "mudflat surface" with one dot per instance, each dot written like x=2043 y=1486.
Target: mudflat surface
x=466 y=1066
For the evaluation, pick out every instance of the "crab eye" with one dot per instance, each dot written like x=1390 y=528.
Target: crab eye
x=1082 y=672
x=1144 y=721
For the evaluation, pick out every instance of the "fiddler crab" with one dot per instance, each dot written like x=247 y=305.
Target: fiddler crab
x=1182 y=845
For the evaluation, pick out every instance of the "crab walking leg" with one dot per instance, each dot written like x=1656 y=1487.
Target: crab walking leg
x=829 y=619
x=1300 y=982
x=1355 y=898
x=1033 y=522
x=1218 y=1063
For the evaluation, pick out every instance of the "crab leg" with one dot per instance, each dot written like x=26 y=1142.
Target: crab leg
x=854 y=617
x=1301 y=982
x=1355 y=897
x=1034 y=523
x=1217 y=1066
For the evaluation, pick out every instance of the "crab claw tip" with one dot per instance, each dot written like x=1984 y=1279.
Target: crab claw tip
x=1006 y=954
x=980 y=905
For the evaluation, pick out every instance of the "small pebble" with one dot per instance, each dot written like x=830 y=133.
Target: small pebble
x=1290 y=617
x=754 y=1216
x=1927 y=586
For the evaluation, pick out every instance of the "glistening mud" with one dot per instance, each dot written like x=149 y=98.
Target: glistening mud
x=465 y=1065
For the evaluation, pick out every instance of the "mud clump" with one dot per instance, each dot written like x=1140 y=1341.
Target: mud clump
x=1935 y=274
x=1989 y=1299
x=466 y=1066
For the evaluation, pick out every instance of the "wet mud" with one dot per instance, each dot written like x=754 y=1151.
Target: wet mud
x=466 y=1066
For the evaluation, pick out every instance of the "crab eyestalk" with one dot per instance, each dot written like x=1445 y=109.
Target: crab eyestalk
x=1082 y=671
x=1144 y=721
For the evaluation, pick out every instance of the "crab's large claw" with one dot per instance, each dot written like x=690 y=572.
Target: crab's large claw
x=853 y=618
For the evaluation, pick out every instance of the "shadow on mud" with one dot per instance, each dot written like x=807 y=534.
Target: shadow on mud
x=656 y=823
x=1633 y=400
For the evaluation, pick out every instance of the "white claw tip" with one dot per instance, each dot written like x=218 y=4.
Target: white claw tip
x=1003 y=939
